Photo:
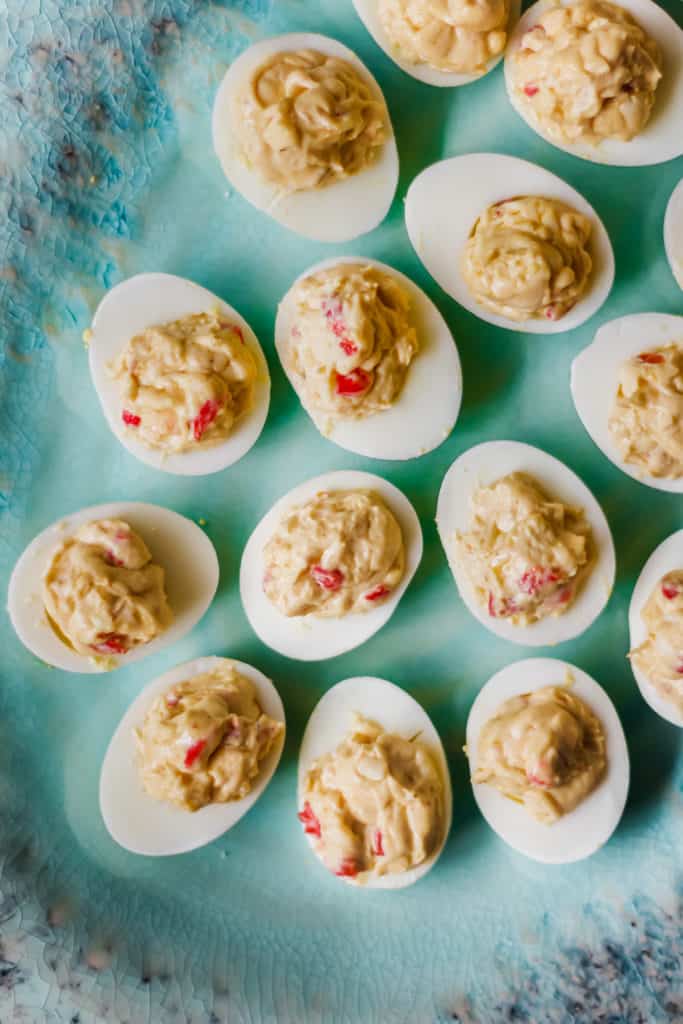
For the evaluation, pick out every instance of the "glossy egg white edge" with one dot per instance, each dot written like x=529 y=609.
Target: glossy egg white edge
x=308 y=638
x=444 y=202
x=427 y=408
x=583 y=831
x=147 y=300
x=368 y=12
x=156 y=828
x=594 y=379
x=335 y=213
x=661 y=139
x=176 y=543
x=482 y=466
x=673 y=233
x=397 y=712
x=667 y=556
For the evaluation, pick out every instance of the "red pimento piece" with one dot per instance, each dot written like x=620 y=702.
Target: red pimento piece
x=354 y=383
x=193 y=752
x=347 y=869
x=533 y=579
x=536 y=781
x=530 y=90
x=565 y=595
x=651 y=357
x=377 y=847
x=172 y=699
x=380 y=591
x=669 y=591
x=130 y=419
x=492 y=605
x=508 y=607
x=551 y=313
x=238 y=331
x=328 y=579
x=205 y=417
x=111 y=643
x=110 y=557
x=310 y=822
x=348 y=347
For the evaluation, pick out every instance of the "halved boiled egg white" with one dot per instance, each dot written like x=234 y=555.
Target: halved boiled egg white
x=425 y=411
x=661 y=139
x=334 y=213
x=673 y=233
x=155 y=828
x=665 y=558
x=396 y=712
x=177 y=544
x=584 y=830
x=368 y=12
x=594 y=380
x=311 y=638
x=442 y=207
x=484 y=465
x=148 y=300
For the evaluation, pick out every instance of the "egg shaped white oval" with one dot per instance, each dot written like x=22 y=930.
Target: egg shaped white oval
x=444 y=202
x=368 y=12
x=147 y=300
x=307 y=638
x=427 y=407
x=661 y=139
x=177 y=544
x=156 y=828
x=335 y=213
x=484 y=465
x=584 y=830
x=673 y=233
x=594 y=379
x=665 y=558
x=396 y=712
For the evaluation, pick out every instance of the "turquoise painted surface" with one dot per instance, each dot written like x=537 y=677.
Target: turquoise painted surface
x=108 y=170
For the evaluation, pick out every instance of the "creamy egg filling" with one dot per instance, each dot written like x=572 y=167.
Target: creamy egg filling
x=375 y=805
x=447 y=35
x=660 y=656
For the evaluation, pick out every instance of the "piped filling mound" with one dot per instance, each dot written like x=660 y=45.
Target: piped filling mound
x=204 y=740
x=525 y=555
x=660 y=656
x=305 y=120
x=103 y=593
x=351 y=341
x=339 y=553
x=545 y=750
x=527 y=257
x=588 y=72
x=646 y=421
x=375 y=805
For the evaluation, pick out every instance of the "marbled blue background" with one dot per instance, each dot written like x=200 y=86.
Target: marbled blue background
x=106 y=169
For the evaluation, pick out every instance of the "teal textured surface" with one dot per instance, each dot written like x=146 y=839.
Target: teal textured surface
x=110 y=171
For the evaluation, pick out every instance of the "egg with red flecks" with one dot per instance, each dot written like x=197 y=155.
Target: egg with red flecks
x=371 y=323
x=326 y=567
x=372 y=717
x=164 y=591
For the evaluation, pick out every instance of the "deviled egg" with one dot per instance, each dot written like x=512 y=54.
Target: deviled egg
x=441 y=43
x=624 y=108
x=371 y=358
x=511 y=242
x=181 y=378
x=327 y=566
x=655 y=619
x=374 y=790
x=110 y=584
x=192 y=754
x=547 y=740
x=302 y=131
x=627 y=390
x=529 y=547
x=673 y=233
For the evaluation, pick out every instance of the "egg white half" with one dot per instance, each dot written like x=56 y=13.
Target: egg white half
x=336 y=213
x=183 y=550
x=307 y=638
x=442 y=207
x=147 y=300
x=427 y=408
x=484 y=465
x=662 y=137
x=368 y=12
x=155 y=828
x=666 y=557
x=588 y=827
x=397 y=712
x=594 y=378
x=673 y=233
